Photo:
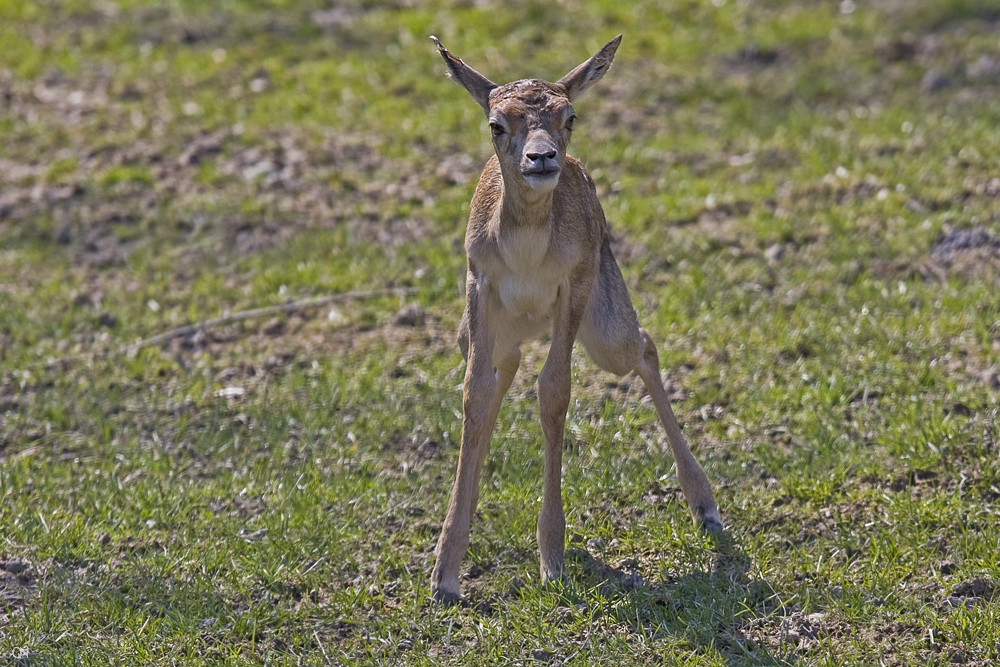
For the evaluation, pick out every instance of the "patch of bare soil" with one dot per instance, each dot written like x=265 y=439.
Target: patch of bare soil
x=981 y=588
x=967 y=252
x=18 y=584
x=799 y=628
x=812 y=631
x=970 y=253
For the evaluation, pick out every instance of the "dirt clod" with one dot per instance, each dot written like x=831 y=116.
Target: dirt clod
x=955 y=601
x=933 y=81
x=957 y=240
x=947 y=567
x=15 y=565
x=514 y=587
x=412 y=315
x=17 y=584
x=541 y=654
x=980 y=587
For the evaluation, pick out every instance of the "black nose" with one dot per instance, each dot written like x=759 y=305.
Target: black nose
x=534 y=157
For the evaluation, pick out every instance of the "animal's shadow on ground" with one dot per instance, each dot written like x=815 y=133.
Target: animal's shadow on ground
x=722 y=609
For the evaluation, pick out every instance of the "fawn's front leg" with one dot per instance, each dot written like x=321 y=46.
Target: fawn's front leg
x=478 y=396
x=506 y=369
x=553 y=401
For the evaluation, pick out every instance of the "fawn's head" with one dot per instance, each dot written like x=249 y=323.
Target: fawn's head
x=531 y=120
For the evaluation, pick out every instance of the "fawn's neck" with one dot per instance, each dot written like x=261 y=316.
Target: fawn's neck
x=524 y=207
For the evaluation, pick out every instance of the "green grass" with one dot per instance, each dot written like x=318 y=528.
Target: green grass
x=269 y=491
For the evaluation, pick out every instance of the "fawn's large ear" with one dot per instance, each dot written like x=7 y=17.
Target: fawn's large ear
x=474 y=82
x=590 y=72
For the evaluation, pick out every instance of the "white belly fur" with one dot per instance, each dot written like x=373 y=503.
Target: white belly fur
x=532 y=298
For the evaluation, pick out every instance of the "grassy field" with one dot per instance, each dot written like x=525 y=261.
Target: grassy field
x=806 y=203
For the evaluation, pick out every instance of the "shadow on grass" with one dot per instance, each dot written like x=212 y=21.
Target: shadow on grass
x=710 y=611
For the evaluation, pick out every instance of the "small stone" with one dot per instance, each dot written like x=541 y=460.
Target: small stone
x=596 y=544
x=335 y=316
x=231 y=392
x=259 y=169
x=775 y=253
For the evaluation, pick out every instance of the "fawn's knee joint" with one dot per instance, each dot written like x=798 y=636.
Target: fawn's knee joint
x=650 y=357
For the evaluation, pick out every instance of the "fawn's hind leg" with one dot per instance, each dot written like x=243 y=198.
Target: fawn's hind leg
x=616 y=343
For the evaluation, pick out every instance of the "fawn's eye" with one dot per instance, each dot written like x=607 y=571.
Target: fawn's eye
x=569 y=123
x=497 y=129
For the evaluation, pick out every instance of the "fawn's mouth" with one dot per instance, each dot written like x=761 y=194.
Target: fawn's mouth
x=543 y=172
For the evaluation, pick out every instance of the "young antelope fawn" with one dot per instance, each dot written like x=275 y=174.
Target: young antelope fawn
x=539 y=257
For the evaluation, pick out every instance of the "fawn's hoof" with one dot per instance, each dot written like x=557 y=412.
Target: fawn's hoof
x=445 y=597
x=711 y=527
x=709 y=521
x=444 y=588
x=552 y=574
